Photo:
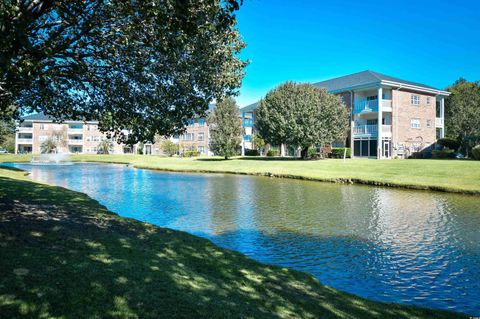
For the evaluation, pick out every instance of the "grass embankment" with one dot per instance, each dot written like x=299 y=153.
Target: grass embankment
x=443 y=175
x=63 y=255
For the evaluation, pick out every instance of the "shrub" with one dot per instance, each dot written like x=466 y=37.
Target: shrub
x=190 y=153
x=449 y=143
x=312 y=151
x=273 y=152
x=252 y=153
x=422 y=155
x=169 y=148
x=476 y=152
x=337 y=152
x=445 y=153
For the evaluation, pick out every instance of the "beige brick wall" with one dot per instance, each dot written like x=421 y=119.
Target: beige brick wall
x=195 y=144
x=91 y=137
x=413 y=139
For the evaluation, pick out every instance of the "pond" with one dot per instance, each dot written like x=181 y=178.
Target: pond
x=411 y=247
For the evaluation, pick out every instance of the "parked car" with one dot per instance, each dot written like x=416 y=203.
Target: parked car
x=3 y=151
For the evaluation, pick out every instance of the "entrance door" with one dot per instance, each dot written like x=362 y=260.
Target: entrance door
x=386 y=149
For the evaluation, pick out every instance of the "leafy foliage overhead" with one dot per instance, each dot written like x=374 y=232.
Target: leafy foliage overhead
x=145 y=66
x=462 y=114
x=301 y=115
x=225 y=128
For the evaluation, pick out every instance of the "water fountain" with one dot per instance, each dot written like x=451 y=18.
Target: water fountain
x=51 y=159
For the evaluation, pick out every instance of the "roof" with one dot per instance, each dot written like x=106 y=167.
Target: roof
x=366 y=78
x=249 y=108
x=37 y=117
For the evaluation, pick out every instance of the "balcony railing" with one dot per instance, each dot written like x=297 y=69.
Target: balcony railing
x=247 y=122
x=438 y=122
x=75 y=141
x=75 y=130
x=364 y=106
x=371 y=130
x=24 y=141
x=25 y=129
x=365 y=129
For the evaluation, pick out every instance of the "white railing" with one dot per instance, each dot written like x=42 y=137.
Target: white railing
x=364 y=106
x=387 y=103
x=438 y=122
x=365 y=129
x=25 y=129
x=371 y=130
x=75 y=130
x=75 y=141
x=24 y=141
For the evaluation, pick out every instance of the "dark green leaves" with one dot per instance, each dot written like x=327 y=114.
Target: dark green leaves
x=149 y=65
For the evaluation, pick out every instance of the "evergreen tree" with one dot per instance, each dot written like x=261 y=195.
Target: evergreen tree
x=225 y=128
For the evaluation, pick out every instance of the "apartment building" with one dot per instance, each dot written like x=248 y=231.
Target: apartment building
x=390 y=117
x=71 y=136
x=195 y=138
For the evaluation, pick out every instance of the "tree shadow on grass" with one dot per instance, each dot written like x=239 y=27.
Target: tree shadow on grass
x=65 y=255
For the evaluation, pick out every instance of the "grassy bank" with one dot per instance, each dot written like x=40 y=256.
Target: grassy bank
x=63 y=255
x=442 y=175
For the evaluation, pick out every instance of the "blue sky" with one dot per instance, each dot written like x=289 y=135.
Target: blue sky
x=434 y=42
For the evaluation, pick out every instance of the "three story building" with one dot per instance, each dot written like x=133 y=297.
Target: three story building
x=389 y=117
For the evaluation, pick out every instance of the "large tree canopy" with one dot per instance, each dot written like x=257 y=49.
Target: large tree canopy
x=462 y=114
x=145 y=66
x=301 y=115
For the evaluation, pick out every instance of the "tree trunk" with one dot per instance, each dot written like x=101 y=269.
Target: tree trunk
x=304 y=152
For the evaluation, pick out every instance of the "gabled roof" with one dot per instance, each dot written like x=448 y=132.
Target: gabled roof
x=37 y=117
x=366 y=78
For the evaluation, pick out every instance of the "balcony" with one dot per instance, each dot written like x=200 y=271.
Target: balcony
x=371 y=130
x=247 y=122
x=368 y=106
x=24 y=140
x=439 y=122
x=25 y=129
x=75 y=130
x=75 y=141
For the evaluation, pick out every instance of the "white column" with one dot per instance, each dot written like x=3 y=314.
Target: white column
x=442 y=116
x=380 y=116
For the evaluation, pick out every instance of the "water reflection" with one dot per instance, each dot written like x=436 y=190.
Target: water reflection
x=391 y=245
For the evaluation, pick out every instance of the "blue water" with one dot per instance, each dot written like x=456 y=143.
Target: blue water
x=410 y=247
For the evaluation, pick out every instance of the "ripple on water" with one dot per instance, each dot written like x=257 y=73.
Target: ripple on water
x=391 y=245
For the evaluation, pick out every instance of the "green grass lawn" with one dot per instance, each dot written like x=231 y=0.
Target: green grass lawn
x=444 y=175
x=63 y=255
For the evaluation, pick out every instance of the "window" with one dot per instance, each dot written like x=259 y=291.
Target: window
x=191 y=123
x=429 y=100
x=43 y=127
x=415 y=99
x=201 y=122
x=415 y=123
x=248 y=115
x=200 y=136
x=201 y=149
x=372 y=98
x=429 y=123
